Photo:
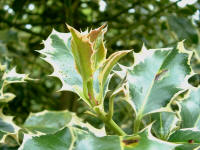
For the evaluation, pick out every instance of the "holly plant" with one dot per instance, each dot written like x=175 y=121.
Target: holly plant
x=166 y=107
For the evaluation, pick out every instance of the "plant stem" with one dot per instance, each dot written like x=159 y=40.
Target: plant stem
x=113 y=126
x=111 y=107
x=109 y=122
x=91 y=93
x=137 y=124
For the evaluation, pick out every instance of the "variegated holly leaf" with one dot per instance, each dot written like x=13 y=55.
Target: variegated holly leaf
x=164 y=124
x=104 y=73
x=47 y=121
x=82 y=50
x=147 y=142
x=157 y=75
x=9 y=77
x=77 y=59
x=190 y=110
x=188 y=137
x=78 y=139
x=7 y=126
x=70 y=55
x=59 y=55
x=109 y=64
x=100 y=51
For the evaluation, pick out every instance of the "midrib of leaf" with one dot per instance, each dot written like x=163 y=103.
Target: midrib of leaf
x=161 y=125
x=73 y=139
x=140 y=113
x=197 y=120
x=145 y=99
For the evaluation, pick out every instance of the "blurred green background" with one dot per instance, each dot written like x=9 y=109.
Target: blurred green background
x=25 y=23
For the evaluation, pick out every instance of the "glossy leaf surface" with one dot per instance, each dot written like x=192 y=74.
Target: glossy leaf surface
x=154 y=79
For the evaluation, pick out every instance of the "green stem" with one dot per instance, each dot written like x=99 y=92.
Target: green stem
x=91 y=93
x=137 y=124
x=100 y=96
x=88 y=92
x=109 y=122
x=111 y=107
x=2 y=84
x=114 y=127
x=85 y=92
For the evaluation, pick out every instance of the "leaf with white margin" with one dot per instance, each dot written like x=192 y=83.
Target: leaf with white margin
x=85 y=141
x=71 y=138
x=58 y=54
x=188 y=137
x=48 y=122
x=9 y=77
x=99 y=47
x=7 y=126
x=147 y=142
x=62 y=140
x=12 y=76
x=164 y=123
x=190 y=110
x=156 y=76
x=82 y=50
x=109 y=64
x=77 y=139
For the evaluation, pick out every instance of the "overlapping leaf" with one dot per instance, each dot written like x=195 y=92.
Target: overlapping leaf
x=6 y=126
x=47 y=121
x=190 y=110
x=58 y=53
x=77 y=139
x=156 y=76
x=108 y=65
x=165 y=123
x=9 y=77
x=189 y=138
x=82 y=50
x=78 y=58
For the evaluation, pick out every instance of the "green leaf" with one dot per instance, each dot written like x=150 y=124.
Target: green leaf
x=109 y=64
x=190 y=110
x=78 y=139
x=157 y=75
x=194 y=80
x=147 y=142
x=62 y=140
x=188 y=137
x=100 y=51
x=183 y=29
x=85 y=141
x=71 y=138
x=47 y=121
x=76 y=58
x=12 y=76
x=58 y=54
x=82 y=50
x=51 y=121
x=164 y=124
x=9 y=77
x=6 y=126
